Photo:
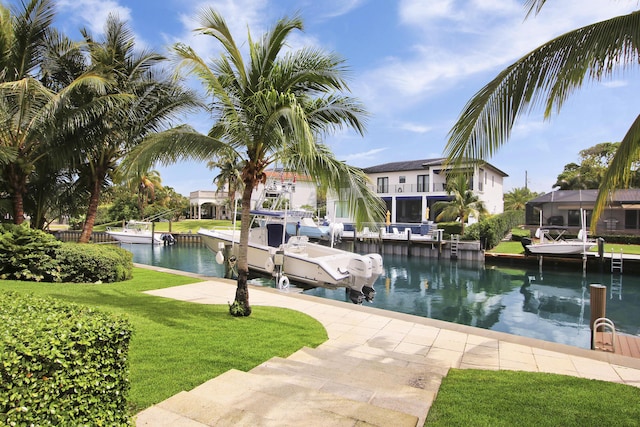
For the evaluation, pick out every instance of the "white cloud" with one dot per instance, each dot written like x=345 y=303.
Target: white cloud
x=335 y=8
x=93 y=14
x=454 y=40
x=615 y=83
x=414 y=127
x=362 y=156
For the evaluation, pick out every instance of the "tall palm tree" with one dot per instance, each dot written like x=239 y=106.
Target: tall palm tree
x=464 y=202
x=547 y=76
x=154 y=100
x=275 y=107
x=229 y=175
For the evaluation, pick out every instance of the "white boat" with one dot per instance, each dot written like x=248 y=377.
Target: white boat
x=552 y=241
x=139 y=232
x=299 y=260
x=300 y=222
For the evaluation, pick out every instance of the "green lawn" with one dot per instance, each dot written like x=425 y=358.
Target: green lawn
x=184 y=226
x=178 y=345
x=506 y=398
x=516 y=248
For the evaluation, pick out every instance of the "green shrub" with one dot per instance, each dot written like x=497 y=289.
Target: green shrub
x=27 y=254
x=61 y=364
x=450 y=228
x=493 y=229
x=87 y=263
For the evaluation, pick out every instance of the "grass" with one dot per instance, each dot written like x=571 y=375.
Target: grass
x=516 y=248
x=508 y=398
x=179 y=345
x=184 y=226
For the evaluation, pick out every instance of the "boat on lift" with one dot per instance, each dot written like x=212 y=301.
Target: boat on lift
x=139 y=232
x=552 y=241
x=273 y=251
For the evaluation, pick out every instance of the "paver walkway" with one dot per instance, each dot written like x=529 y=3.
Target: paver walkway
x=377 y=368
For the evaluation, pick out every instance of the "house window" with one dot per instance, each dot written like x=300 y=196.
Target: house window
x=480 y=182
x=573 y=218
x=423 y=183
x=631 y=219
x=402 y=180
x=383 y=185
x=342 y=210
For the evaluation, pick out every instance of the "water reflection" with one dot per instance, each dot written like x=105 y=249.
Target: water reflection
x=553 y=306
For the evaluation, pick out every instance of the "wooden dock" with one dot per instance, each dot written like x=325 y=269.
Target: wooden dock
x=626 y=345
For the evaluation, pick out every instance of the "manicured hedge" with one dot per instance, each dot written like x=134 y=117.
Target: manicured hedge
x=61 y=364
x=34 y=255
x=91 y=263
x=493 y=229
x=27 y=254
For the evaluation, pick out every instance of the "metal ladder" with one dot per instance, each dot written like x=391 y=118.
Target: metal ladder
x=455 y=240
x=616 y=263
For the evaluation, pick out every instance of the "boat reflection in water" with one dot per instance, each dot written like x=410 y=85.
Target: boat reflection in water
x=553 y=306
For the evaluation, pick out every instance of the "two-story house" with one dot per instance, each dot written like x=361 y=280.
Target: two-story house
x=410 y=189
x=299 y=190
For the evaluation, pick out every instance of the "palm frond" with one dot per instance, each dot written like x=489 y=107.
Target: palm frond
x=620 y=170
x=546 y=76
x=173 y=145
x=214 y=25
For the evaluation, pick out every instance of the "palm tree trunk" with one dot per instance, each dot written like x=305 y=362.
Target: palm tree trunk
x=92 y=210
x=240 y=306
x=17 y=186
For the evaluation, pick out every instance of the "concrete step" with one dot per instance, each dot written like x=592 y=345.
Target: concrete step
x=414 y=371
x=156 y=416
x=277 y=402
x=379 y=388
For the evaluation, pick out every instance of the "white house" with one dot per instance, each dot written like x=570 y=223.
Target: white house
x=410 y=189
x=299 y=190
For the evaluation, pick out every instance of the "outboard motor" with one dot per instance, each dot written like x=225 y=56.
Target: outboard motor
x=356 y=297
x=376 y=271
x=360 y=271
x=526 y=241
x=168 y=239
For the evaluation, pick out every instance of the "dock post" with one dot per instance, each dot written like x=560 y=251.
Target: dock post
x=598 y=302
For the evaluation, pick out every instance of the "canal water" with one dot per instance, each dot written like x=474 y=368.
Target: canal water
x=551 y=305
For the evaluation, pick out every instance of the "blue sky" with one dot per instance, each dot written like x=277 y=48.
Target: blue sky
x=414 y=64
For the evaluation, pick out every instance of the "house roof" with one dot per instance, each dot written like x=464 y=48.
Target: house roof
x=414 y=165
x=589 y=196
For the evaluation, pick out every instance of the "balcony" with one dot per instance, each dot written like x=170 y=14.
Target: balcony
x=396 y=189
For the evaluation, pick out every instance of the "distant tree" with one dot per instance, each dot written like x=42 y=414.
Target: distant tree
x=229 y=175
x=517 y=198
x=588 y=174
x=464 y=202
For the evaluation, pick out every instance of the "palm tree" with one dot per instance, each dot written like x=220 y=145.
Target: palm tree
x=464 y=202
x=274 y=108
x=154 y=99
x=547 y=75
x=229 y=175
x=517 y=198
x=22 y=37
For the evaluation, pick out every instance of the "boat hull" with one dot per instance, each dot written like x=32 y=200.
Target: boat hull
x=136 y=238
x=559 y=248
x=310 y=264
